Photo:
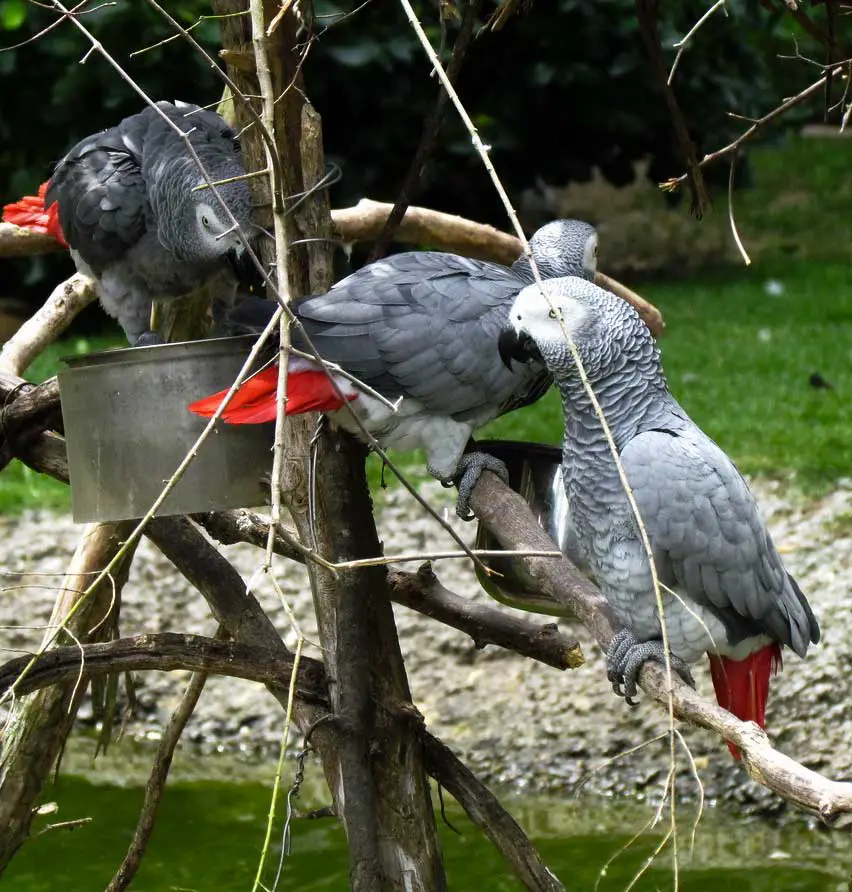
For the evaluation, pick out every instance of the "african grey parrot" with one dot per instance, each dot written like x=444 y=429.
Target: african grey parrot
x=724 y=586
x=422 y=326
x=128 y=208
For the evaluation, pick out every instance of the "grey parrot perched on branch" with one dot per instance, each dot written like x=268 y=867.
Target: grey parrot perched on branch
x=129 y=208
x=723 y=584
x=422 y=326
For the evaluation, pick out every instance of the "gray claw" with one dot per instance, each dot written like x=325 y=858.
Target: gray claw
x=625 y=658
x=470 y=468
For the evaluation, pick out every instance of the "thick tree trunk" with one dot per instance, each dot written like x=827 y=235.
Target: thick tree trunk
x=375 y=769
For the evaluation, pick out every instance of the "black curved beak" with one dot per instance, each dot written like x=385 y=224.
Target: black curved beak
x=516 y=345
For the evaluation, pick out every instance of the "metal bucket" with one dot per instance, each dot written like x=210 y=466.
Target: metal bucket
x=535 y=473
x=127 y=429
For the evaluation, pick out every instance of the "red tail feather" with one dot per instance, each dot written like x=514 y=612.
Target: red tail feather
x=254 y=402
x=31 y=213
x=742 y=686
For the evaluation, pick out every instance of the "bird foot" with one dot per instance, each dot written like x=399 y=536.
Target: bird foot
x=625 y=658
x=471 y=466
x=148 y=339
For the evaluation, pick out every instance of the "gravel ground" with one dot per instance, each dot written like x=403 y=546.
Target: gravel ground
x=513 y=720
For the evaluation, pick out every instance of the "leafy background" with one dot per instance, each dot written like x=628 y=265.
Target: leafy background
x=562 y=88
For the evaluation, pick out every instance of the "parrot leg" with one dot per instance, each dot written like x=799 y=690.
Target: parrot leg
x=471 y=466
x=626 y=656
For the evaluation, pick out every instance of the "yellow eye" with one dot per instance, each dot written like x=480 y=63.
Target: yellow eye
x=552 y=314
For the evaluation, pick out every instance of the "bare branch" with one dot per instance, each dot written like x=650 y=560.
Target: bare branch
x=447 y=232
x=48 y=323
x=484 y=810
x=673 y=183
x=38 y=731
x=423 y=592
x=429 y=135
x=167 y=652
x=17 y=241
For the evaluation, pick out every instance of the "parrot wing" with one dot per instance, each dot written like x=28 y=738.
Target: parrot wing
x=709 y=539
x=101 y=193
x=425 y=325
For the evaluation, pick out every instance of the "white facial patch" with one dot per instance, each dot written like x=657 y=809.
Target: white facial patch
x=590 y=254
x=543 y=317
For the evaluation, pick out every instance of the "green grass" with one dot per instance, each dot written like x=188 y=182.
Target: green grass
x=739 y=361
x=21 y=487
x=737 y=357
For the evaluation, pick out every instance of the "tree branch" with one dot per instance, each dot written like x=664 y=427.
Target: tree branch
x=31 y=410
x=646 y=12
x=129 y=866
x=38 y=731
x=49 y=321
x=484 y=810
x=17 y=241
x=672 y=184
x=428 y=137
x=167 y=652
x=423 y=592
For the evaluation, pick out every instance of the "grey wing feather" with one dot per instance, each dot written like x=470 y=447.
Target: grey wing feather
x=112 y=185
x=101 y=194
x=705 y=526
x=423 y=325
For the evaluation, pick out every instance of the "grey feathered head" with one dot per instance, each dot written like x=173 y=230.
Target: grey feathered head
x=606 y=330
x=191 y=221
x=562 y=248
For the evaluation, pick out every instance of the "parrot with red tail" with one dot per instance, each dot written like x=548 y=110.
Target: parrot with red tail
x=131 y=204
x=723 y=585
x=421 y=328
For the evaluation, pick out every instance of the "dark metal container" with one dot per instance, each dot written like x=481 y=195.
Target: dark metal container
x=127 y=429
x=535 y=473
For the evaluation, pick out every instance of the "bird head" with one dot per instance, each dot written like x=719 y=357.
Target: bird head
x=604 y=328
x=211 y=232
x=562 y=248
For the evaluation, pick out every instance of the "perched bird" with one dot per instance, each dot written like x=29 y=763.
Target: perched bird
x=422 y=326
x=724 y=586
x=128 y=207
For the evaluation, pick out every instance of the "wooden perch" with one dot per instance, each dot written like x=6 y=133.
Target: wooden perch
x=48 y=323
x=447 y=232
x=363 y=222
x=17 y=241
x=166 y=652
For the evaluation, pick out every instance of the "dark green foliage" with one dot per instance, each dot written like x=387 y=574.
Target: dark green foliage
x=562 y=87
x=558 y=90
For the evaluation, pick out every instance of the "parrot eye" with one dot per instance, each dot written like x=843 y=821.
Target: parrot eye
x=552 y=314
x=205 y=222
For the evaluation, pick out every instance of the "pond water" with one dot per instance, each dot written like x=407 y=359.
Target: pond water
x=210 y=832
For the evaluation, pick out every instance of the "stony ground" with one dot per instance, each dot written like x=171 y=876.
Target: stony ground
x=513 y=720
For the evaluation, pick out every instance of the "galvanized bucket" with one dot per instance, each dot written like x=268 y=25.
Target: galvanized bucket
x=127 y=429
x=535 y=473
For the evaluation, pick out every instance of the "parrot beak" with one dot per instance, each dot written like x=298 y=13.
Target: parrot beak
x=516 y=345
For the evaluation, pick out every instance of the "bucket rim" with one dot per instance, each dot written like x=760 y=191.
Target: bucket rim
x=158 y=352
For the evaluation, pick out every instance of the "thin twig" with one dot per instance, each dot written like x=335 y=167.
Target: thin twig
x=672 y=184
x=681 y=45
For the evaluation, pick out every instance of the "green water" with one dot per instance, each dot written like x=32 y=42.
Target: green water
x=210 y=832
